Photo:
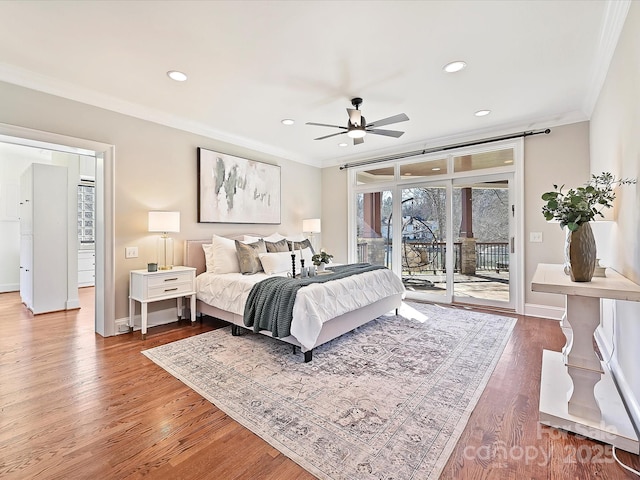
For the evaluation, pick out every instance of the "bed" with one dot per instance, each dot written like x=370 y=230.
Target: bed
x=320 y=313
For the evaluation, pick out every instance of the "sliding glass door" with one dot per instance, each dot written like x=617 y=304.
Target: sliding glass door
x=445 y=224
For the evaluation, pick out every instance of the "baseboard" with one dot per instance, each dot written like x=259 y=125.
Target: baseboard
x=154 y=319
x=9 y=287
x=73 y=304
x=543 y=311
x=611 y=361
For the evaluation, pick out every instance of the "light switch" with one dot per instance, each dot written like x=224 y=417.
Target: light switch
x=535 y=237
x=131 y=252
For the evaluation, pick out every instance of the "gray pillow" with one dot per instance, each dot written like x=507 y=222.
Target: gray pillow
x=279 y=246
x=303 y=244
x=248 y=256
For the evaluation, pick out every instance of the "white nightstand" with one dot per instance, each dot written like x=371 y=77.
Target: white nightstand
x=146 y=287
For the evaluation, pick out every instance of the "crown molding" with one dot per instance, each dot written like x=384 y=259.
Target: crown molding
x=612 y=24
x=49 y=85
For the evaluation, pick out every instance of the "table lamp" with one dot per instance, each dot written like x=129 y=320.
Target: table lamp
x=164 y=222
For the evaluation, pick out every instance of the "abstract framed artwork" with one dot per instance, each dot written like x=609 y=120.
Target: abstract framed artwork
x=236 y=190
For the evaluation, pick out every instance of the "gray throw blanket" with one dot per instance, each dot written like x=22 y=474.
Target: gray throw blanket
x=270 y=302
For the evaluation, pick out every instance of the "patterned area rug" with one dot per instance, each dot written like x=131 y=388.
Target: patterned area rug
x=386 y=401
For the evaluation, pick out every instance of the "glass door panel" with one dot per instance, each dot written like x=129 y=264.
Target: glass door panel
x=423 y=244
x=374 y=227
x=481 y=235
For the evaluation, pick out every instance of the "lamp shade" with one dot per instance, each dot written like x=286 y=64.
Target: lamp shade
x=164 y=221
x=311 y=225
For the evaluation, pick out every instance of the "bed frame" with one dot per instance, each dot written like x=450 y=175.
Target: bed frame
x=194 y=257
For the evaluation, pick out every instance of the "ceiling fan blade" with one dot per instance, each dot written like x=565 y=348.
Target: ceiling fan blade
x=325 y=125
x=358 y=141
x=388 y=133
x=332 y=135
x=401 y=117
x=355 y=116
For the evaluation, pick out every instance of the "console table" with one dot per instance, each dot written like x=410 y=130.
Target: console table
x=577 y=391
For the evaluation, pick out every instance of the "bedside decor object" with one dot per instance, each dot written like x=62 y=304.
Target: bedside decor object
x=164 y=222
x=236 y=190
x=321 y=259
x=152 y=267
x=574 y=210
x=311 y=226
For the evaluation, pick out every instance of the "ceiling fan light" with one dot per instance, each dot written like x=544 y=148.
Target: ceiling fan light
x=356 y=133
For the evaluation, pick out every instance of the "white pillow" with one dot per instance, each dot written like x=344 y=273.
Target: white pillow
x=225 y=258
x=250 y=239
x=276 y=262
x=208 y=256
x=279 y=262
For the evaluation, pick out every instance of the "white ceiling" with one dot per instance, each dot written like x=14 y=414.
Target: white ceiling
x=251 y=64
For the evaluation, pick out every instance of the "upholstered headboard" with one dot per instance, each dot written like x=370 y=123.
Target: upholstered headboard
x=194 y=254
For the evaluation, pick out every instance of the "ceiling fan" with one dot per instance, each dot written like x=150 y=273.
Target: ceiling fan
x=357 y=127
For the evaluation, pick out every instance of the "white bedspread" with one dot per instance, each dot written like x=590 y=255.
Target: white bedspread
x=315 y=303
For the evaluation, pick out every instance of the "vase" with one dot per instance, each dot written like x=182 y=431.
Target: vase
x=580 y=254
x=321 y=267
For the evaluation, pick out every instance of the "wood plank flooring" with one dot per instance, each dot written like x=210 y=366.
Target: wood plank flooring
x=74 y=405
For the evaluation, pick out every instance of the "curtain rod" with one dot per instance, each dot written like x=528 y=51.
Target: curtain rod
x=424 y=151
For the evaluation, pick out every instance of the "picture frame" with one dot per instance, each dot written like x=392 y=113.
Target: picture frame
x=237 y=190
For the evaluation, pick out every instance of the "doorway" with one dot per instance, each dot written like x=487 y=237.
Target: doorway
x=104 y=231
x=446 y=225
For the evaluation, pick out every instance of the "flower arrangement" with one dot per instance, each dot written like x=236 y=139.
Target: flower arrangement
x=322 y=257
x=581 y=205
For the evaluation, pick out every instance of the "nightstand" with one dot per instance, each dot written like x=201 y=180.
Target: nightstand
x=146 y=287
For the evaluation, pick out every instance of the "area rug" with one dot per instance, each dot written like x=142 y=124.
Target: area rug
x=386 y=401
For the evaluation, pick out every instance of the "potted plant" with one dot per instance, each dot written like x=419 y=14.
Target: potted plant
x=574 y=209
x=321 y=259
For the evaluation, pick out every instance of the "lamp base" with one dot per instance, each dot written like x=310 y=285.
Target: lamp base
x=165 y=267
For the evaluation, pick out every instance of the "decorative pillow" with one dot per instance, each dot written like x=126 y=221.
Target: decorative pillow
x=208 y=256
x=307 y=253
x=248 y=258
x=279 y=246
x=225 y=258
x=306 y=243
x=276 y=262
x=250 y=239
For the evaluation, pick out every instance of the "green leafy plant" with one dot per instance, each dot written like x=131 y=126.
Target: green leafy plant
x=322 y=257
x=580 y=205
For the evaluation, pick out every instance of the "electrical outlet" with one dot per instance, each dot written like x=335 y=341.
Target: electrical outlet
x=535 y=237
x=131 y=252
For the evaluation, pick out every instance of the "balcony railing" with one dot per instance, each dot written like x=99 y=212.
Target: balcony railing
x=429 y=257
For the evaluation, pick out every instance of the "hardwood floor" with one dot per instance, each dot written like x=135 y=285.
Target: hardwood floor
x=74 y=405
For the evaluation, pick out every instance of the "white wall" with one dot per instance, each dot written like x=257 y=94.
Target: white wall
x=615 y=147
x=155 y=168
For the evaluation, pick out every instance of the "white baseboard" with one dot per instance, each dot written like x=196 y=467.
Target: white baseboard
x=611 y=360
x=73 y=304
x=9 y=287
x=543 y=311
x=160 y=317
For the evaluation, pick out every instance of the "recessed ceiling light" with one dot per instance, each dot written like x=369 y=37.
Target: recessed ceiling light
x=482 y=113
x=176 y=75
x=436 y=169
x=342 y=144
x=454 y=66
x=288 y=121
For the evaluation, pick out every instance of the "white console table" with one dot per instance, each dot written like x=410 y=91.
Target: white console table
x=577 y=392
